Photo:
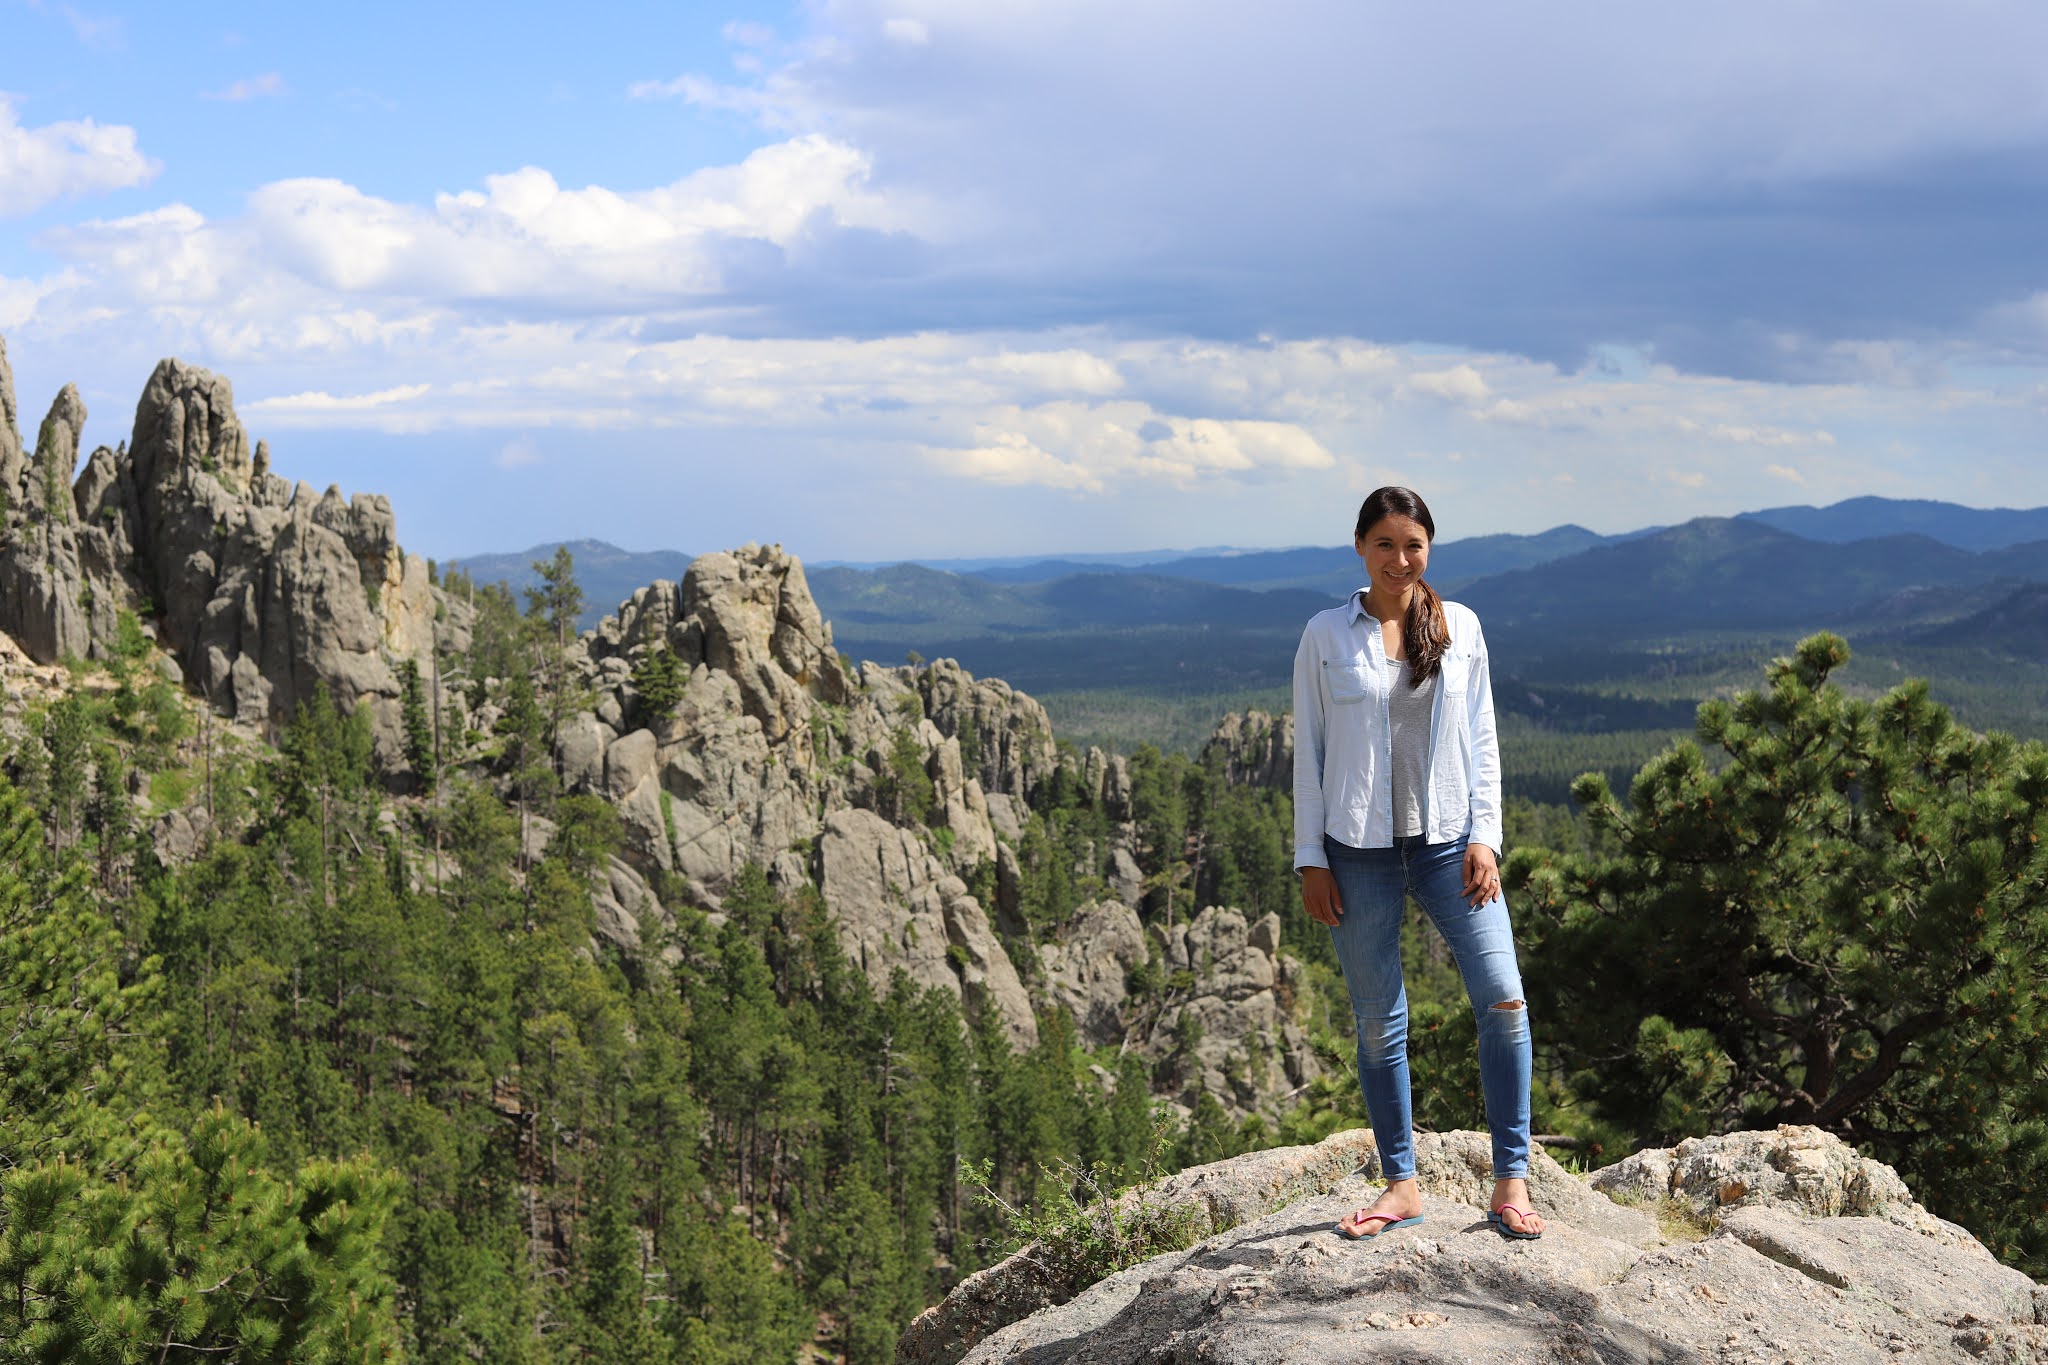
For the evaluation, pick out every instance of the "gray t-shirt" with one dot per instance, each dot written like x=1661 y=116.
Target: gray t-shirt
x=1408 y=711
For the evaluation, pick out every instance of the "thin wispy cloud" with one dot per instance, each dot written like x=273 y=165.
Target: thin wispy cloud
x=269 y=84
x=101 y=33
x=519 y=454
x=318 y=402
x=361 y=99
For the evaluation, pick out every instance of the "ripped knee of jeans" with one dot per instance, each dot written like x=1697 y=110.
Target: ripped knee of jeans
x=1508 y=1006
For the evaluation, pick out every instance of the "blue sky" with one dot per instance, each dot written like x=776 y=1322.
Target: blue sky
x=880 y=278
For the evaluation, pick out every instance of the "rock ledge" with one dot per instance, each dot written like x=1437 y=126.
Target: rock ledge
x=1814 y=1254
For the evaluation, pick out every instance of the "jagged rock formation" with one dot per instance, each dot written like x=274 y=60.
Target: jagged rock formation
x=782 y=756
x=1223 y=978
x=1088 y=966
x=899 y=909
x=1256 y=749
x=902 y=795
x=47 y=602
x=261 y=590
x=1799 y=1249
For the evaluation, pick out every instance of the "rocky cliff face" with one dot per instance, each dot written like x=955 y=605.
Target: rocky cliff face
x=262 y=590
x=1226 y=988
x=901 y=795
x=1256 y=749
x=1771 y=1246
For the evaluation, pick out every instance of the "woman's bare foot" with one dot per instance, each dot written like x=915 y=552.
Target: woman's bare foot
x=1401 y=1199
x=1516 y=1192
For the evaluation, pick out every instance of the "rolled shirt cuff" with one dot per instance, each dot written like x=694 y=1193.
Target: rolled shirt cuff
x=1310 y=856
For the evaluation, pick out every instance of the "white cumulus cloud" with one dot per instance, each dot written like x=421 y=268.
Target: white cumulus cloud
x=522 y=240
x=1458 y=384
x=1090 y=447
x=59 y=160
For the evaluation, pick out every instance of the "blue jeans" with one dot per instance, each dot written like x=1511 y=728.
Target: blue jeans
x=1371 y=885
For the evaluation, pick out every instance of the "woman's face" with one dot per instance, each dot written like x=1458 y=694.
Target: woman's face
x=1396 y=551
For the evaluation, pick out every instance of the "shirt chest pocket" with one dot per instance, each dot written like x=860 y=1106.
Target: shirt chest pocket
x=1456 y=672
x=1348 y=681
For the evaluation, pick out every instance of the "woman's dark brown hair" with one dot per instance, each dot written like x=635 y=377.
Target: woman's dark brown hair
x=1425 y=634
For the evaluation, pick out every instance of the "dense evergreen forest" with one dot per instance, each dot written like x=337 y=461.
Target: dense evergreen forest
x=471 y=1129
x=351 y=1077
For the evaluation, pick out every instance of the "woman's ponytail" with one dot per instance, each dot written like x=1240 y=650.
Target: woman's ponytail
x=1425 y=633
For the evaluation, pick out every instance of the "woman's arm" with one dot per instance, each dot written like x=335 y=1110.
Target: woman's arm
x=1318 y=888
x=1308 y=755
x=1482 y=848
x=1485 y=796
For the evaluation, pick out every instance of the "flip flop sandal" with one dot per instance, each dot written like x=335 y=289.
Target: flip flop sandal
x=1386 y=1218
x=1500 y=1224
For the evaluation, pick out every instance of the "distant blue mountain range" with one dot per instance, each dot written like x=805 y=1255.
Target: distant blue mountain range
x=1007 y=593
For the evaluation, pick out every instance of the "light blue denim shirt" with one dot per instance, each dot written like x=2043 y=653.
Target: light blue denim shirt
x=1343 y=739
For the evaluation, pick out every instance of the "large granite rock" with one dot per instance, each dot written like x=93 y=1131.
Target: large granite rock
x=1790 y=1167
x=898 y=909
x=10 y=427
x=1087 y=966
x=780 y=756
x=1774 y=1278
x=262 y=591
x=1255 y=749
x=1014 y=749
x=1223 y=976
x=48 y=602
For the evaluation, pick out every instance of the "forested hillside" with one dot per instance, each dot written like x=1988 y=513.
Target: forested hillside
x=721 y=1147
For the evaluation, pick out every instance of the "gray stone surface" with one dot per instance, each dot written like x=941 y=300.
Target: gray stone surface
x=262 y=592
x=1086 y=964
x=1776 y=1281
x=10 y=428
x=1794 y=1167
x=1222 y=971
x=1257 y=749
x=898 y=909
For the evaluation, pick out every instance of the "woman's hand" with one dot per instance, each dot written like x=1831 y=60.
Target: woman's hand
x=1482 y=875
x=1319 y=896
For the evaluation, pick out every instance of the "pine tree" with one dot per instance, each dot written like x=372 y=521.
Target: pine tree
x=67 y=735
x=127 y=1237
x=1842 y=921
x=197 y=1252
x=658 y=682
x=558 y=601
x=419 y=726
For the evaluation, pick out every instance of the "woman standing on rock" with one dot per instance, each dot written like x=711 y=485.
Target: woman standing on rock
x=1397 y=794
